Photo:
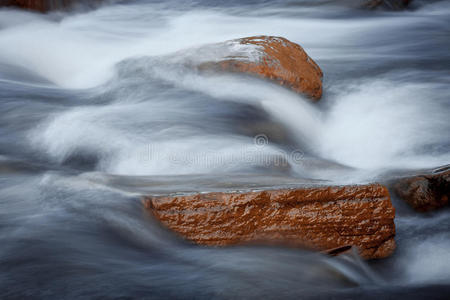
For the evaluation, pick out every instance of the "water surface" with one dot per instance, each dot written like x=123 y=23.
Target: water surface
x=97 y=109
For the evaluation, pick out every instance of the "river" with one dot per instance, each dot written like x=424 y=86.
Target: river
x=98 y=109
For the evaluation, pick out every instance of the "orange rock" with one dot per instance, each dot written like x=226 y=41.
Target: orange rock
x=319 y=218
x=427 y=191
x=274 y=58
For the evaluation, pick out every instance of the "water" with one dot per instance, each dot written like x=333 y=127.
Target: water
x=98 y=108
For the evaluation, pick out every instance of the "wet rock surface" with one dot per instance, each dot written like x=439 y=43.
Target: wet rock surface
x=425 y=192
x=269 y=57
x=318 y=218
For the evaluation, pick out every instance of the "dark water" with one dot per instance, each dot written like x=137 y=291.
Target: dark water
x=97 y=110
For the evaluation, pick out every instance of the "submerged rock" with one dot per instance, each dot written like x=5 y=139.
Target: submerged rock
x=318 y=218
x=274 y=58
x=426 y=192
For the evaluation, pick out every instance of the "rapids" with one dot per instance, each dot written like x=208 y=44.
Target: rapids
x=98 y=108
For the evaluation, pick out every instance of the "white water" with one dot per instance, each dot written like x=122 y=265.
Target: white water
x=92 y=94
x=369 y=124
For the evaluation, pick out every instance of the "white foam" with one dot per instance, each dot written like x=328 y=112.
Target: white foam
x=81 y=50
x=370 y=124
x=428 y=261
x=379 y=124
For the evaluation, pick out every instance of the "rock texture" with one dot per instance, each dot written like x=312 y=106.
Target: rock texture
x=274 y=58
x=319 y=218
x=426 y=192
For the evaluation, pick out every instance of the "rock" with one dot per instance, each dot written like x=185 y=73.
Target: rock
x=387 y=4
x=38 y=5
x=318 y=218
x=425 y=192
x=274 y=58
x=45 y=5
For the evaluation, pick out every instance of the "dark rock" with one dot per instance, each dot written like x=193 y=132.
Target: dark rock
x=387 y=4
x=425 y=192
x=46 y=5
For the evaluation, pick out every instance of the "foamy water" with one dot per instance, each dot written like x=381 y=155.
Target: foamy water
x=86 y=95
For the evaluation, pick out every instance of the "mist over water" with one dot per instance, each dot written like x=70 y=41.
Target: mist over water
x=100 y=106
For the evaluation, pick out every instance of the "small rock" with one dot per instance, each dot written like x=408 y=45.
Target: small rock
x=425 y=192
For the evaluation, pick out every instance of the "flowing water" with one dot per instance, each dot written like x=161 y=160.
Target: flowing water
x=98 y=108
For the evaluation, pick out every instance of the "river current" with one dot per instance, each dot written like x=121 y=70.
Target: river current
x=97 y=109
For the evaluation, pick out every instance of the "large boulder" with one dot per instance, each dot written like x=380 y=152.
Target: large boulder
x=319 y=218
x=270 y=57
x=425 y=192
